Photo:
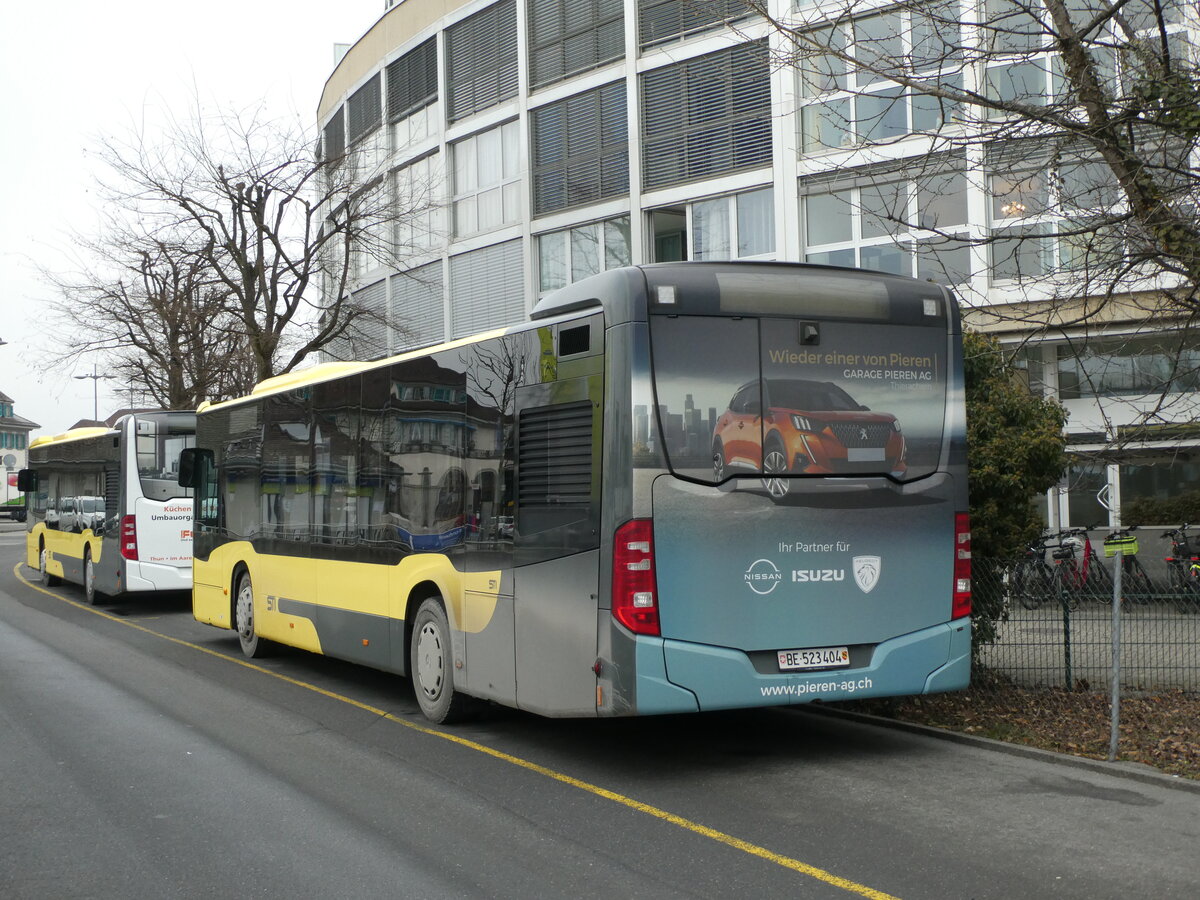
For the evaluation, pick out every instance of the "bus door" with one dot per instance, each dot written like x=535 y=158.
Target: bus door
x=161 y=509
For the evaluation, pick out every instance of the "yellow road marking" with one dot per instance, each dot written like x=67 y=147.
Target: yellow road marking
x=720 y=837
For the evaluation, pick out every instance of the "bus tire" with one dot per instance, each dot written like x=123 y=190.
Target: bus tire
x=253 y=646
x=432 y=665
x=90 y=594
x=47 y=579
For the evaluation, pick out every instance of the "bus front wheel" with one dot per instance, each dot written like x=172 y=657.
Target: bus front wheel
x=47 y=579
x=432 y=665
x=243 y=615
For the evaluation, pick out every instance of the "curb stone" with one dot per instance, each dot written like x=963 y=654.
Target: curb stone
x=1134 y=771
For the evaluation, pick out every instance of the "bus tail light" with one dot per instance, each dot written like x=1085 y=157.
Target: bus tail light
x=962 y=566
x=634 y=594
x=129 y=537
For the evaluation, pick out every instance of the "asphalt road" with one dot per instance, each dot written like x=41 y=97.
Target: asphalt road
x=141 y=756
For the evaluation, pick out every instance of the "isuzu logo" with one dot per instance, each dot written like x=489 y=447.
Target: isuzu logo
x=866 y=572
x=762 y=577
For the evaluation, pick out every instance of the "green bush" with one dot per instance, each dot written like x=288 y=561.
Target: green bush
x=1185 y=507
x=1015 y=452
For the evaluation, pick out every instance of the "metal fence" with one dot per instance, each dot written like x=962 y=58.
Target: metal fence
x=1055 y=633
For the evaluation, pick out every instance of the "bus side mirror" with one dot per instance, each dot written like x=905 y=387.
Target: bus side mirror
x=191 y=466
x=27 y=481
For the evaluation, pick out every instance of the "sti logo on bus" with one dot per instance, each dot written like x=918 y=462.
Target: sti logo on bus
x=762 y=577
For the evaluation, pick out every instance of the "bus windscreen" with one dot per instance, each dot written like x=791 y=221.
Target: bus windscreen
x=798 y=396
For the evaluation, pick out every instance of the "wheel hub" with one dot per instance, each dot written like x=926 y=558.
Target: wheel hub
x=430 y=661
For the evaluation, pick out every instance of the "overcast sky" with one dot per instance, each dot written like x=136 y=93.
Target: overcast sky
x=75 y=69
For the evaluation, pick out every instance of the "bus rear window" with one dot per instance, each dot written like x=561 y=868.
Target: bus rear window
x=774 y=396
x=160 y=438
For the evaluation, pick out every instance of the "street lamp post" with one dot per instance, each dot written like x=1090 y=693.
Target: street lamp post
x=96 y=378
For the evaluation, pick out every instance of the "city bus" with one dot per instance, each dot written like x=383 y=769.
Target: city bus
x=106 y=510
x=678 y=487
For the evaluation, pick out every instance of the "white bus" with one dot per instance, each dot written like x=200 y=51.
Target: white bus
x=105 y=507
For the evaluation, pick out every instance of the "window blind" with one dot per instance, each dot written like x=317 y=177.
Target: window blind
x=487 y=288
x=580 y=149
x=481 y=60
x=412 y=81
x=707 y=116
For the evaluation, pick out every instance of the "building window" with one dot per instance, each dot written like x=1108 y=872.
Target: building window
x=1051 y=214
x=481 y=60
x=487 y=180
x=707 y=116
x=418 y=307
x=580 y=149
x=665 y=20
x=412 y=92
x=741 y=226
x=365 y=109
x=851 y=105
x=412 y=81
x=416 y=191
x=1156 y=487
x=882 y=222
x=569 y=255
x=367 y=337
x=1124 y=366
x=487 y=288
x=335 y=137
x=570 y=36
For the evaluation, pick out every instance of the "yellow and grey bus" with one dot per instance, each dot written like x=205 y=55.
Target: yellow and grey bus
x=679 y=487
x=106 y=508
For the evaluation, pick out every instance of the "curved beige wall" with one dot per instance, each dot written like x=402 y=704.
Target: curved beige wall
x=396 y=27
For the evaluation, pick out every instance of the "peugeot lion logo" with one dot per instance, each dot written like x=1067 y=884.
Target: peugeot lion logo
x=866 y=572
x=862 y=433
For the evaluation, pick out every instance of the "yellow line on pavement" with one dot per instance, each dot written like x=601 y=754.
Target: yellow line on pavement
x=720 y=837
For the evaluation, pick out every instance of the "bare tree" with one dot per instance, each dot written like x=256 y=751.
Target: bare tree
x=272 y=228
x=150 y=308
x=1075 y=121
x=1081 y=116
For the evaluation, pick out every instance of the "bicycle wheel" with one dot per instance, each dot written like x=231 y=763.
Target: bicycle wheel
x=1099 y=586
x=1066 y=584
x=1180 y=587
x=1137 y=587
x=1030 y=584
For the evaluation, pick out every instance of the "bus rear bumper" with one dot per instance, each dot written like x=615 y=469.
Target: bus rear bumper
x=144 y=576
x=927 y=661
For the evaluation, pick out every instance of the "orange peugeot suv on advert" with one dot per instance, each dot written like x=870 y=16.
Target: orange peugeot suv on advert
x=804 y=427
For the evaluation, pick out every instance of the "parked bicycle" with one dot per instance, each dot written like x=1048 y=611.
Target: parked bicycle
x=1079 y=572
x=1136 y=585
x=1183 y=570
x=1030 y=579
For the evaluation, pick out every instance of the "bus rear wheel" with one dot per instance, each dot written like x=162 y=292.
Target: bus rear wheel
x=90 y=593
x=432 y=665
x=243 y=619
x=47 y=579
